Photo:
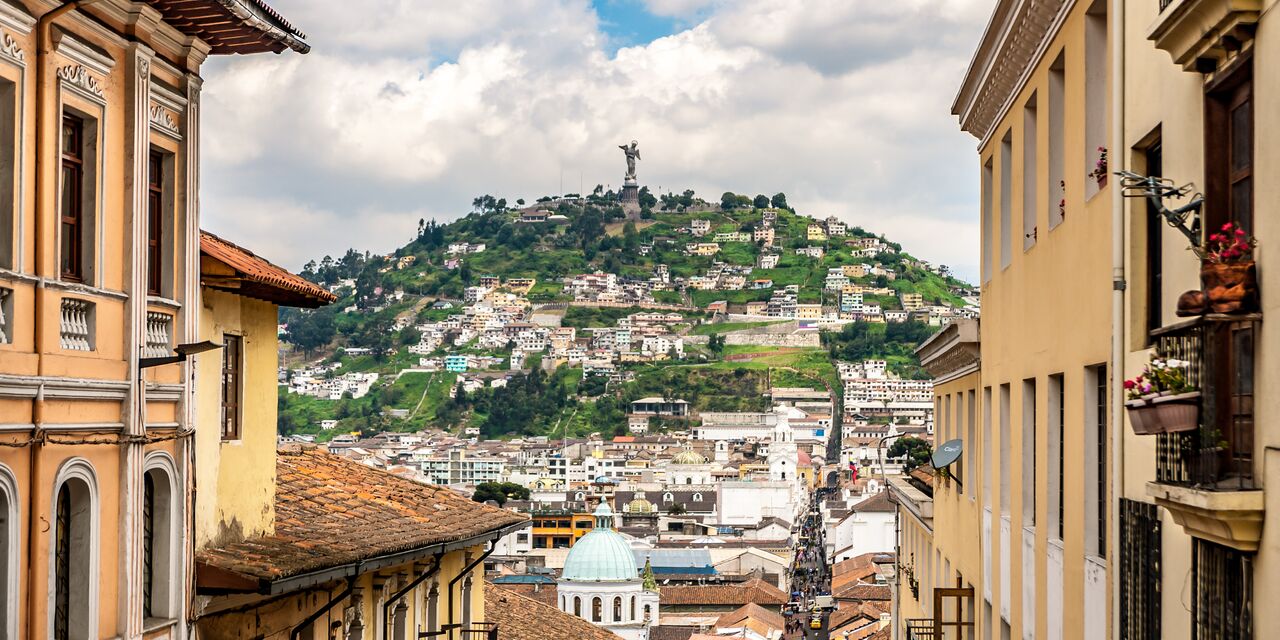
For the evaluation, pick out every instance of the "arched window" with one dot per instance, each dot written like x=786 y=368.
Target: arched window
x=666 y=497
x=9 y=538
x=697 y=497
x=647 y=613
x=577 y=606
x=159 y=525
x=579 y=496
x=73 y=610
x=688 y=480
x=564 y=602
x=597 y=609
x=617 y=608
x=632 y=613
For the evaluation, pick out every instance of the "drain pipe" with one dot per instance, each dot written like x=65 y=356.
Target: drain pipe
x=1119 y=155
x=493 y=544
x=395 y=597
x=296 y=633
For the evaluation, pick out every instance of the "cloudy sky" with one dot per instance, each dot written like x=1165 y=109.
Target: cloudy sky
x=408 y=109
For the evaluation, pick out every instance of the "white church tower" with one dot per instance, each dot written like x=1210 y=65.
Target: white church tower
x=783 y=456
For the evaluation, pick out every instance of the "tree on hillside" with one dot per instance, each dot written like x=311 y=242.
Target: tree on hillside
x=499 y=492
x=916 y=450
x=728 y=200
x=647 y=199
x=761 y=201
x=779 y=201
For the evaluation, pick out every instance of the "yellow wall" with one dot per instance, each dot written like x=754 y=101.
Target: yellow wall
x=236 y=478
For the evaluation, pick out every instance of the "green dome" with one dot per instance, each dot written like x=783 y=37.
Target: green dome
x=602 y=555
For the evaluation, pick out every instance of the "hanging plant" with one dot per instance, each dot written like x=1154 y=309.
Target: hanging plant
x=1099 y=172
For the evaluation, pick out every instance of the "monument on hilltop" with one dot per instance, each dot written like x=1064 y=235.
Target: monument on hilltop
x=630 y=192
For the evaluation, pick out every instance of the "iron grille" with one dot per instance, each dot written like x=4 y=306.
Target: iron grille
x=148 y=541
x=1218 y=455
x=62 y=568
x=1222 y=596
x=1100 y=416
x=1139 y=570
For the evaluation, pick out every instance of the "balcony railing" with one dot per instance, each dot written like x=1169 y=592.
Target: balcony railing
x=1218 y=455
x=76 y=325
x=921 y=629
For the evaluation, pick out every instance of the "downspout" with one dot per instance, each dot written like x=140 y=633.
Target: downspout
x=43 y=48
x=1120 y=156
x=296 y=633
x=466 y=570
x=395 y=597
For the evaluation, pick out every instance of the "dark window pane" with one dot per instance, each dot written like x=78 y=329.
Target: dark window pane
x=1242 y=136
x=1242 y=203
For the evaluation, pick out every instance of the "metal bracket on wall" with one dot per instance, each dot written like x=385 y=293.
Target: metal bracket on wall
x=1185 y=219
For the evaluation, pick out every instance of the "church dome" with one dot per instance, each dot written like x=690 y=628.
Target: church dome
x=602 y=555
x=688 y=456
x=640 y=505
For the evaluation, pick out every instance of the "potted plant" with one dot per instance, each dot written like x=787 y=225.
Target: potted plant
x=1228 y=272
x=1099 y=172
x=1161 y=400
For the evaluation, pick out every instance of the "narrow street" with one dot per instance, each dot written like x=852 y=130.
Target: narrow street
x=810 y=577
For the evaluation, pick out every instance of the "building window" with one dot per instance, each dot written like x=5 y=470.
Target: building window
x=1005 y=450
x=1057 y=145
x=9 y=543
x=577 y=606
x=1221 y=592
x=988 y=245
x=617 y=609
x=1229 y=164
x=970 y=447
x=72 y=205
x=73 y=612
x=1139 y=553
x=1006 y=200
x=1030 y=194
x=597 y=609
x=466 y=602
x=155 y=223
x=1057 y=436
x=1029 y=452
x=1154 y=156
x=8 y=163
x=647 y=612
x=1095 y=90
x=632 y=615
x=157 y=535
x=1096 y=460
x=986 y=447
x=232 y=379
x=433 y=607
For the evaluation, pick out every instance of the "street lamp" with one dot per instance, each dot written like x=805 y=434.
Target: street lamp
x=181 y=351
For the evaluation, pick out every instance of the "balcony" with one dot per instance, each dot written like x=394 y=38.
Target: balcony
x=1205 y=477
x=1201 y=34
x=476 y=631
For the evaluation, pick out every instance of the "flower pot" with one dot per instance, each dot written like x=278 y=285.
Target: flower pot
x=1231 y=287
x=1142 y=416
x=1177 y=413
x=1102 y=181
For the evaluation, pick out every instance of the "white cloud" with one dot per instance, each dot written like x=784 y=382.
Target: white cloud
x=764 y=95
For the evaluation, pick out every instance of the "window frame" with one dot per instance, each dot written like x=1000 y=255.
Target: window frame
x=71 y=214
x=1230 y=90
x=155 y=222
x=232 y=387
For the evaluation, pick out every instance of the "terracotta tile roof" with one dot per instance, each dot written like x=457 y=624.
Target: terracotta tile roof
x=752 y=591
x=672 y=632
x=521 y=618
x=541 y=593
x=332 y=511
x=879 y=503
x=862 y=592
x=750 y=612
x=257 y=277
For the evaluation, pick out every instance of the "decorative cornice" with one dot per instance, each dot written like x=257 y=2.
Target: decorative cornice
x=77 y=76
x=16 y=19
x=85 y=55
x=1016 y=39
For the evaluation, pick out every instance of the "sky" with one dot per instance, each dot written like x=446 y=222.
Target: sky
x=408 y=109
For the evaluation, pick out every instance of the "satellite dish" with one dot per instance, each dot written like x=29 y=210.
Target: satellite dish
x=948 y=453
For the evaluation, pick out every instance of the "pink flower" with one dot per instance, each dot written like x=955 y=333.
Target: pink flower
x=1239 y=232
x=1226 y=227
x=1129 y=384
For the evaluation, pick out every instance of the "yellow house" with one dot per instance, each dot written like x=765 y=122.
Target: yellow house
x=815 y=233
x=99 y=173
x=937 y=574
x=299 y=539
x=1040 y=113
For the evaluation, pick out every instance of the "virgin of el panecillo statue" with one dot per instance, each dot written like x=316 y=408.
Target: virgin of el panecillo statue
x=633 y=153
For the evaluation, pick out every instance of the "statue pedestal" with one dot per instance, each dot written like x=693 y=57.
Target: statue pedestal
x=630 y=193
